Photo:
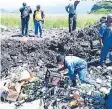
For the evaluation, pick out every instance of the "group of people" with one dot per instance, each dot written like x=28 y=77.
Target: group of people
x=74 y=64
x=38 y=19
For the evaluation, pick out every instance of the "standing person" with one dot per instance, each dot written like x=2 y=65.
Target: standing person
x=71 y=9
x=75 y=65
x=105 y=37
x=38 y=18
x=25 y=16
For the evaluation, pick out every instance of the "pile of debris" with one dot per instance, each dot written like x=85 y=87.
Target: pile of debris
x=15 y=52
x=40 y=55
x=52 y=91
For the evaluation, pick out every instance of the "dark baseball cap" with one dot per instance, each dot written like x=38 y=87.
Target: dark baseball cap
x=24 y=4
x=109 y=16
x=60 y=58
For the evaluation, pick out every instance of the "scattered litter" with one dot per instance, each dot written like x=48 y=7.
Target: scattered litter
x=104 y=90
x=98 y=80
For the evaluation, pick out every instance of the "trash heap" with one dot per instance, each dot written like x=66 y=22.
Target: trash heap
x=16 y=52
x=40 y=56
x=55 y=91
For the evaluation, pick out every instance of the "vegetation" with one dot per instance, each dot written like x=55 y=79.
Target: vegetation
x=51 y=21
x=102 y=7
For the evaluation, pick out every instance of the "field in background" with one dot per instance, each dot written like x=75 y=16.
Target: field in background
x=51 y=21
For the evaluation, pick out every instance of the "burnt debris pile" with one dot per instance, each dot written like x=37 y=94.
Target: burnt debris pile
x=16 y=52
x=41 y=54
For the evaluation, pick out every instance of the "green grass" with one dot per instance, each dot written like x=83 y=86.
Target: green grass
x=51 y=21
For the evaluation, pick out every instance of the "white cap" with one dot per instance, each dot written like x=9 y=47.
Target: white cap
x=109 y=16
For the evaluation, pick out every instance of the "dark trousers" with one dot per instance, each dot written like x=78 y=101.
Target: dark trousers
x=24 y=24
x=72 y=22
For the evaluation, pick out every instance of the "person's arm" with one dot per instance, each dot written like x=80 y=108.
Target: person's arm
x=21 y=9
x=30 y=11
x=42 y=14
x=101 y=41
x=34 y=15
x=67 y=9
x=101 y=33
x=71 y=69
x=76 y=3
x=61 y=69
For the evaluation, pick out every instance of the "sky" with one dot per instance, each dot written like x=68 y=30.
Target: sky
x=56 y=5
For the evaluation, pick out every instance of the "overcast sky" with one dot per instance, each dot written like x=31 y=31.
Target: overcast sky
x=16 y=4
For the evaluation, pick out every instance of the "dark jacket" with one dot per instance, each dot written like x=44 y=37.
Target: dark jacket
x=22 y=9
x=42 y=15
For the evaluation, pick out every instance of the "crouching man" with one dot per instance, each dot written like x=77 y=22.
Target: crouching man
x=75 y=65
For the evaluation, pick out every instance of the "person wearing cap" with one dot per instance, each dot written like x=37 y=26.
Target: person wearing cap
x=75 y=65
x=103 y=19
x=105 y=37
x=38 y=18
x=25 y=16
x=71 y=10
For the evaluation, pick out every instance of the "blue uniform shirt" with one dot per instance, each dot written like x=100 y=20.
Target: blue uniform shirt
x=74 y=63
x=71 y=8
x=106 y=33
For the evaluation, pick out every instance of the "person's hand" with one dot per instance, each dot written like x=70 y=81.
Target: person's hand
x=42 y=21
x=77 y=2
x=58 y=71
x=101 y=45
x=66 y=74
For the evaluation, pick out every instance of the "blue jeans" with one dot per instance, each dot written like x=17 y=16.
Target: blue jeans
x=38 y=25
x=24 y=24
x=82 y=73
x=104 y=51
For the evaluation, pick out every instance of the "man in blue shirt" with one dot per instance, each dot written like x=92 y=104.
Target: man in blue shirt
x=105 y=37
x=71 y=9
x=75 y=65
x=25 y=16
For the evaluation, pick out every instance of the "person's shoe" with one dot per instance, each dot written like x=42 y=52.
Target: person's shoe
x=36 y=35
x=102 y=64
x=41 y=36
x=26 y=35
x=21 y=35
x=71 y=34
x=74 y=84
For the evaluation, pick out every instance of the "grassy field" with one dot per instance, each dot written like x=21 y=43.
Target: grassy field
x=51 y=21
